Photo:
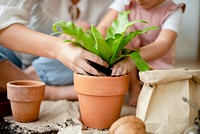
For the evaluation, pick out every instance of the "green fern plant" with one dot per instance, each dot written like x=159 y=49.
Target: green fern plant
x=112 y=47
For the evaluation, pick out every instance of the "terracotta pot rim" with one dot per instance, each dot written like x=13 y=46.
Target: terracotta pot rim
x=19 y=83
x=98 y=77
x=25 y=90
x=101 y=86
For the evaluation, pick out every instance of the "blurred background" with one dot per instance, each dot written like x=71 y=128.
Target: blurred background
x=188 y=41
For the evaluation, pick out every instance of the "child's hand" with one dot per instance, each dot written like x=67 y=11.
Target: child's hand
x=123 y=67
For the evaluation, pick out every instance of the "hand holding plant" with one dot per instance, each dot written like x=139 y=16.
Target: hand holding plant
x=112 y=48
x=123 y=67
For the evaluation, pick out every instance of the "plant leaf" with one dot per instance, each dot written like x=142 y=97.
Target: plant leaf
x=68 y=41
x=58 y=32
x=139 y=62
x=120 y=25
x=116 y=59
x=119 y=43
x=83 y=38
x=73 y=41
x=101 y=46
x=128 y=37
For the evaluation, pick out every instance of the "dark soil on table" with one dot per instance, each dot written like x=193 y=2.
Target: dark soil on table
x=8 y=128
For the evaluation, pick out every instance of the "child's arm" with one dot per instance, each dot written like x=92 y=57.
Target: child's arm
x=153 y=51
x=107 y=21
x=165 y=39
x=160 y=46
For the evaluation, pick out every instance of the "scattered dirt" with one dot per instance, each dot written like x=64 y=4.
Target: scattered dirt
x=9 y=128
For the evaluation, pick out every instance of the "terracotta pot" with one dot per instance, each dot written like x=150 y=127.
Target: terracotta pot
x=25 y=97
x=100 y=98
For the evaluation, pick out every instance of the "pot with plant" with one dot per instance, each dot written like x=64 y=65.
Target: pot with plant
x=101 y=97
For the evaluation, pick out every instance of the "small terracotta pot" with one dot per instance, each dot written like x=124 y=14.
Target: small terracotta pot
x=25 y=97
x=100 y=98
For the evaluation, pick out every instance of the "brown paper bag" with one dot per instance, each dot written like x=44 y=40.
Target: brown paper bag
x=160 y=103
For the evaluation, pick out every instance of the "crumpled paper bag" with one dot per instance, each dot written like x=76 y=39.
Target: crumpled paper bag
x=160 y=103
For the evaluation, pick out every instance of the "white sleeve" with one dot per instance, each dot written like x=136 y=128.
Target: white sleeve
x=15 y=11
x=119 y=5
x=173 y=22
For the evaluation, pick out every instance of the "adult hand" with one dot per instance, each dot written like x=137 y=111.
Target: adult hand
x=77 y=58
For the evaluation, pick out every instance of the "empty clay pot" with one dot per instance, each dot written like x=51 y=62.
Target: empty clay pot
x=100 y=98
x=25 y=97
